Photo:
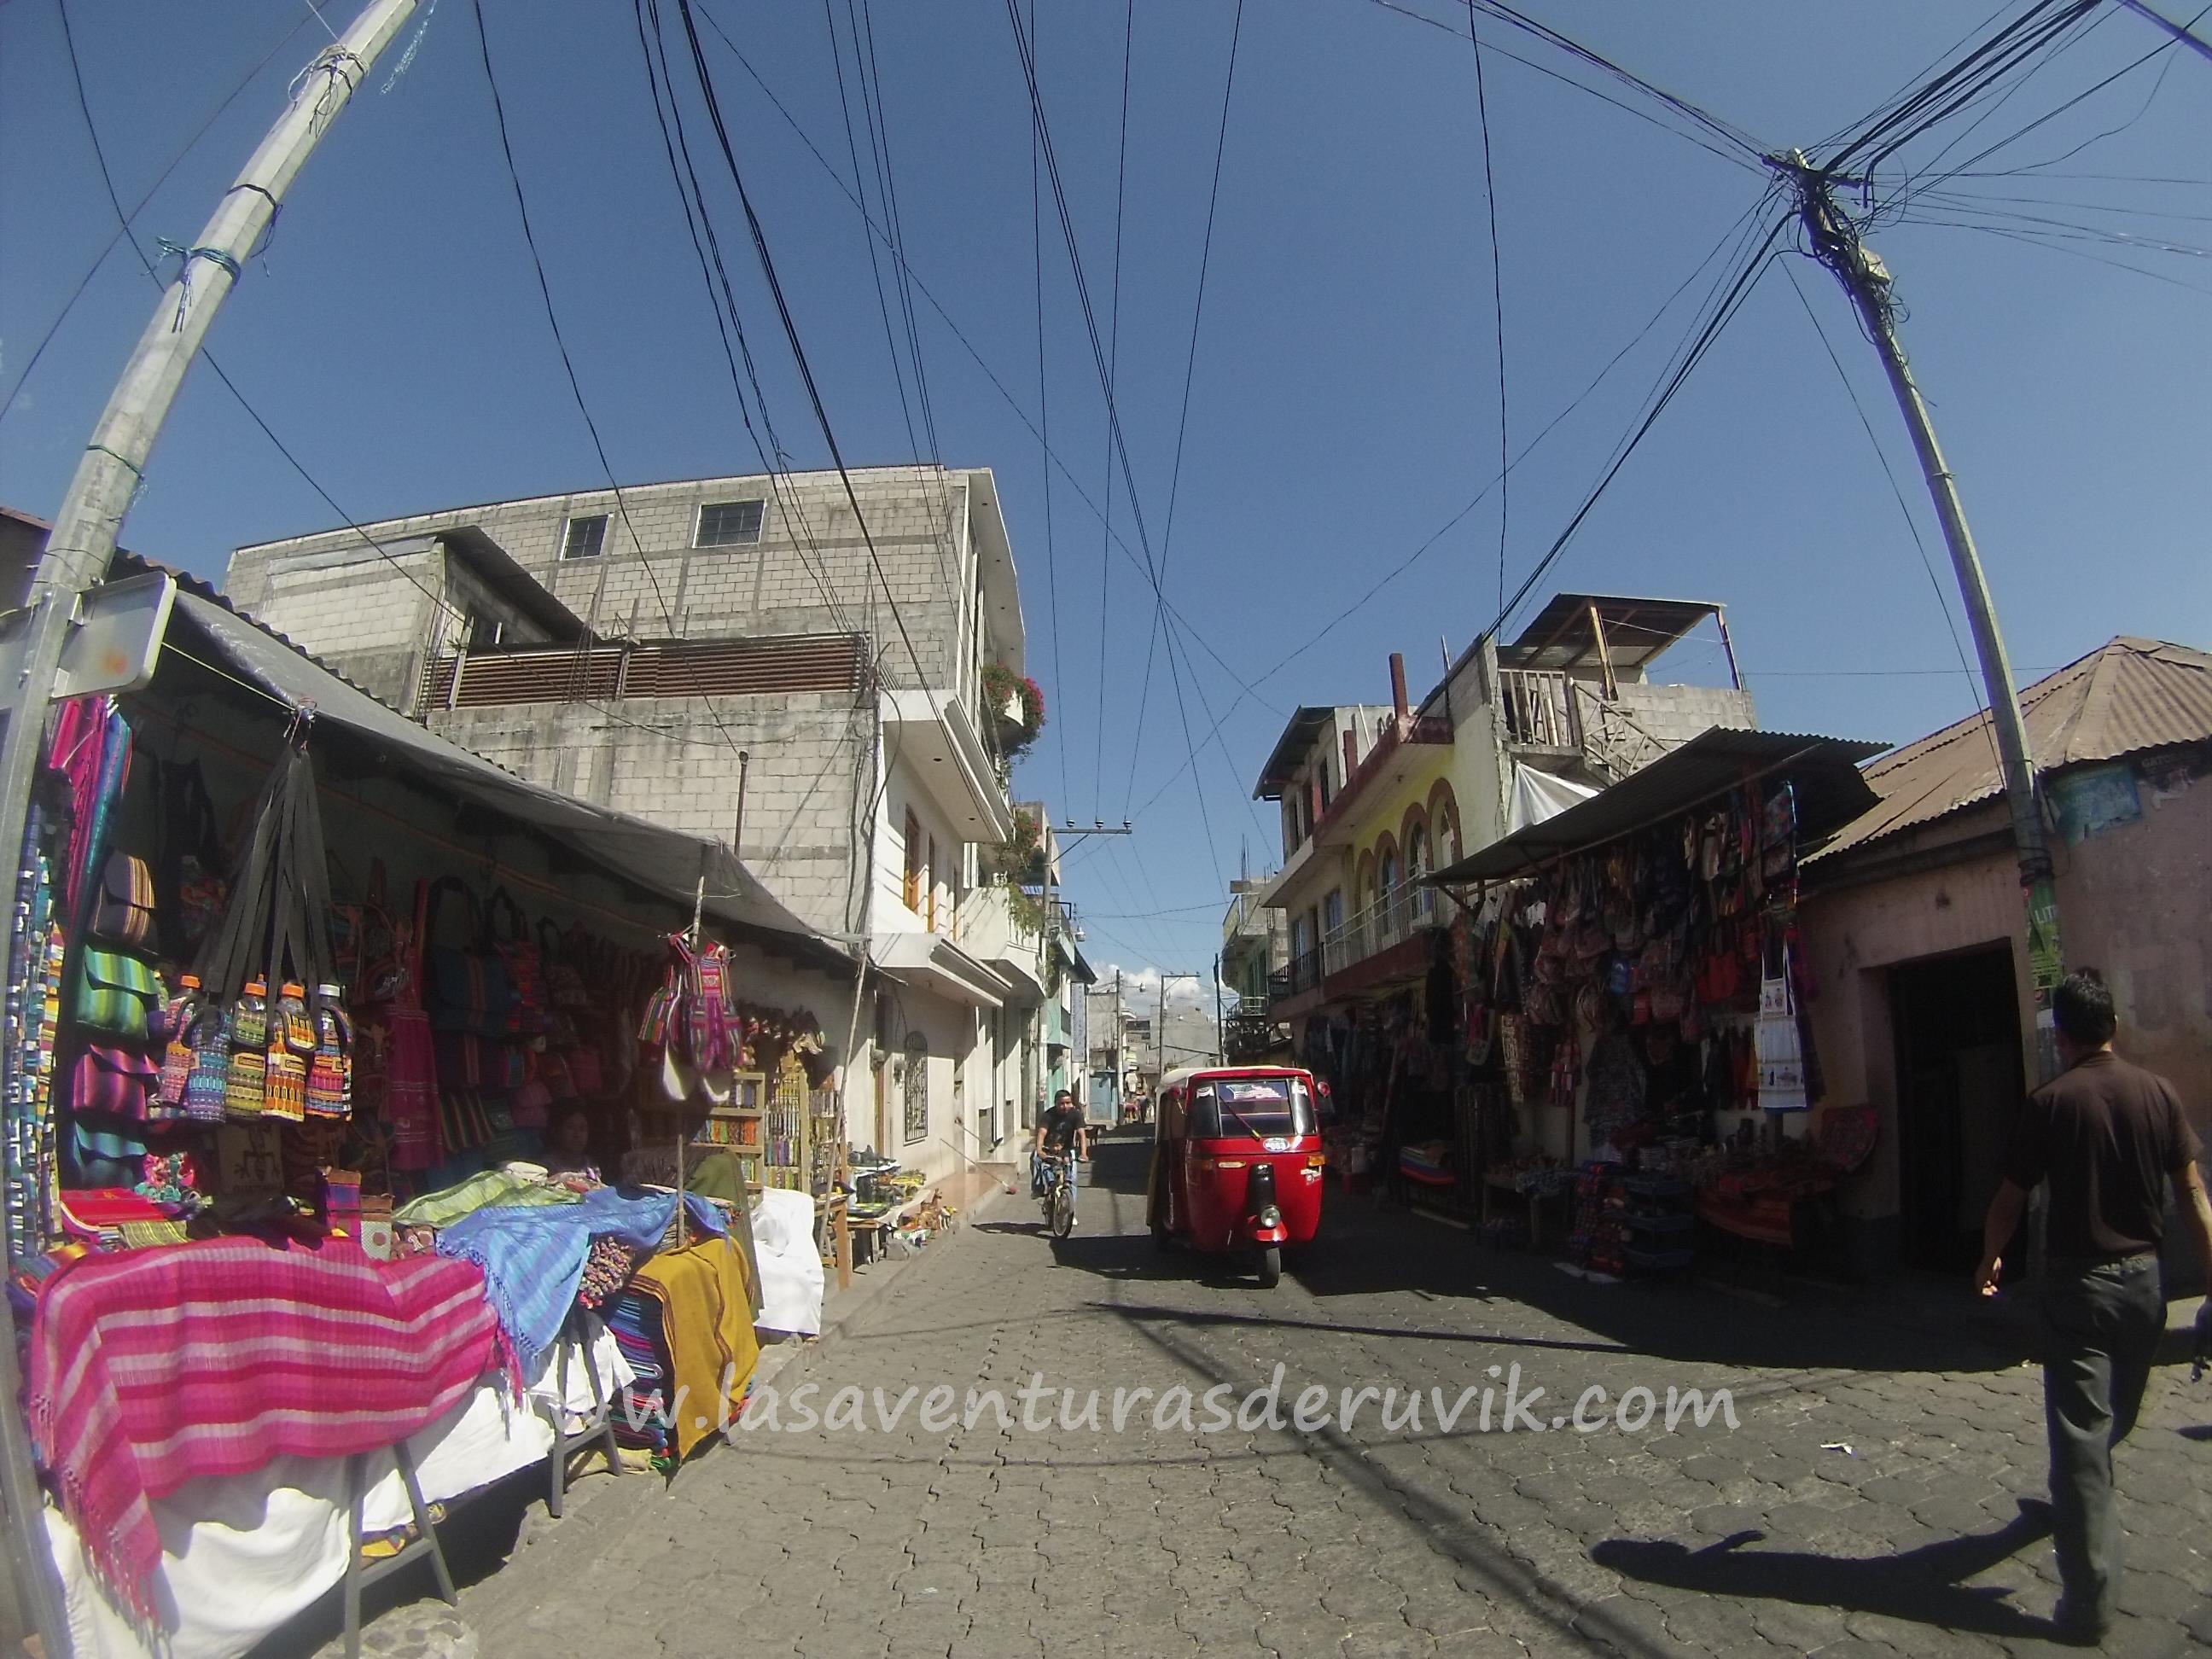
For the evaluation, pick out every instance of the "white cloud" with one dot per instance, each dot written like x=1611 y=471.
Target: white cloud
x=1140 y=989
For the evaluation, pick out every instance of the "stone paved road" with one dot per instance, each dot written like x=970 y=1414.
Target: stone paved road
x=1358 y=1541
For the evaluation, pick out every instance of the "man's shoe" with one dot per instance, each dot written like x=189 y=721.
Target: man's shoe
x=2079 y=1625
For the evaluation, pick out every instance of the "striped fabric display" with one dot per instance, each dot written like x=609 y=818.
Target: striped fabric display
x=160 y=1366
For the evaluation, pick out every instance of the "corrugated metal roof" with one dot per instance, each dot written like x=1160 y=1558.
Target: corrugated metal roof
x=1824 y=770
x=2129 y=696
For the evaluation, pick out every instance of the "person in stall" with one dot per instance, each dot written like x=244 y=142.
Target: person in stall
x=568 y=1143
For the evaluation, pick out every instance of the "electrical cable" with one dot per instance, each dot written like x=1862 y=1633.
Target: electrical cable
x=1497 y=300
x=1734 y=234
x=798 y=349
x=1896 y=489
x=1698 y=139
x=560 y=344
x=997 y=383
x=127 y=219
x=1044 y=412
x=1112 y=369
x=1182 y=420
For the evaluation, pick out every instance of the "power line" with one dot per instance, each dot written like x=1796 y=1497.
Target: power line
x=1182 y=420
x=1112 y=369
x=1284 y=660
x=1044 y=413
x=1912 y=525
x=123 y=226
x=1699 y=139
x=798 y=350
x=1498 y=299
x=998 y=384
x=560 y=344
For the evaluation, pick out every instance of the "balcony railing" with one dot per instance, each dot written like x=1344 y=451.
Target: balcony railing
x=1303 y=975
x=1395 y=917
x=1248 y=1037
x=1422 y=728
x=1538 y=706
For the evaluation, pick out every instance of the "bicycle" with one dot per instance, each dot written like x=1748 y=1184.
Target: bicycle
x=1058 y=1200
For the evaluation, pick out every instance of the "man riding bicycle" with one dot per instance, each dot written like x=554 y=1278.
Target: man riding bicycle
x=1057 y=1132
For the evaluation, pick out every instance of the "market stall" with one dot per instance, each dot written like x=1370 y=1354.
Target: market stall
x=320 y=1033
x=1633 y=997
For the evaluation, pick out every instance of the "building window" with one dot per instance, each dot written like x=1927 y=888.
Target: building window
x=485 y=632
x=585 y=537
x=1332 y=914
x=931 y=875
x=1326 y=793
x=914 y=1089
x=729 y=524
x=912 y=889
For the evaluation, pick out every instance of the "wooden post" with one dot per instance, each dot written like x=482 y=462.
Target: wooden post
x=1604 y=657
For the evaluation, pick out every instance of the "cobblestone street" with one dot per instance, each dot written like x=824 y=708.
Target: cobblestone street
x=1872 y=1499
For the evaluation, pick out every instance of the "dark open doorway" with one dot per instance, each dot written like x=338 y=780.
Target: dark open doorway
x=1958 y=1081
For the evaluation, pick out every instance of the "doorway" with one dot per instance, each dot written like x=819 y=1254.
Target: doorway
x=1960 y=1081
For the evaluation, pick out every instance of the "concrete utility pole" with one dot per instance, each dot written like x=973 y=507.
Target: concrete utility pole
x=1220 y=1042
x=1047 y=837
x=84 y=541
x=1835 y=243
x=1160 y=1034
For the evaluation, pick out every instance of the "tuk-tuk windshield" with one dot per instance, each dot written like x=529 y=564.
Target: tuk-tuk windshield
x=1262 y=1107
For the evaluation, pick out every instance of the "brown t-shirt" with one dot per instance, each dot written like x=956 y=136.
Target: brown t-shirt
x=2109 y=1137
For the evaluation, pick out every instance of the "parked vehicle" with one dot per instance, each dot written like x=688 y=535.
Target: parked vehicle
x=1236 y=1162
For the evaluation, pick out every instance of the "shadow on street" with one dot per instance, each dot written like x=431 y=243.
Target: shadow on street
x=1925 y=1585
x=1363 y=1255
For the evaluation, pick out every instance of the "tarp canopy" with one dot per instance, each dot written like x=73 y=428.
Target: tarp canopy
x=1538 y=796
x=1824 y=770
x=665 y=861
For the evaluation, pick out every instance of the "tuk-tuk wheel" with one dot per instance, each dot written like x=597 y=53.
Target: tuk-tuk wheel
x=1271 y=1266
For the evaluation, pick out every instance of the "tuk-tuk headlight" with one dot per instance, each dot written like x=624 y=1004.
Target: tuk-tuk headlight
x=1271 y=1216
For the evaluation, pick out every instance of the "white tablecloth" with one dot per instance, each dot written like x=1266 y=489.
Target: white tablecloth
x=240 y=1556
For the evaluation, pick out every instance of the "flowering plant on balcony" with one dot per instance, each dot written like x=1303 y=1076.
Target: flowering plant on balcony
x=1016 y=705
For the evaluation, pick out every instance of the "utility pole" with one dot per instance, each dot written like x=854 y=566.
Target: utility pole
x=1220 y=1041
x=1834 y=238
x=82 y=542
x=1160 y=1033
x=1047 y=836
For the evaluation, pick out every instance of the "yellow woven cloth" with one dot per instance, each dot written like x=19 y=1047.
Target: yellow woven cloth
x=707 y=1322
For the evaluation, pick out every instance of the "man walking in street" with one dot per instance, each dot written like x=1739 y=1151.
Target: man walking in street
x=2108 y=1137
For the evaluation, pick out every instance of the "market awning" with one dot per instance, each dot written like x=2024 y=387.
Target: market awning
x=663 y=861
x=1825 y=771
x=933 y=961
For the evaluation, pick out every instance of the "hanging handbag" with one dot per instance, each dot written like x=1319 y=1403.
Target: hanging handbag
x=464 y=1121
x=117 y=994
x=508 y=931
x=123 y=914
x=116 y=1082
x=469 y=989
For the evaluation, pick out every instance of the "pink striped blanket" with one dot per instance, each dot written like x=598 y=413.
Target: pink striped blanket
x=155 y=1367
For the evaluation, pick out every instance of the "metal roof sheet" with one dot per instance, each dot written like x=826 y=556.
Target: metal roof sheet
x=2128 y=696
x=1560 y=636
x=1824 y=770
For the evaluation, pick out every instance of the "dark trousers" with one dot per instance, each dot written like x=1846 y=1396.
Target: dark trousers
x=2101 y=1326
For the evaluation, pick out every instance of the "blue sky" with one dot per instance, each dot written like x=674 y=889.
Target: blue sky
x=1344 y=405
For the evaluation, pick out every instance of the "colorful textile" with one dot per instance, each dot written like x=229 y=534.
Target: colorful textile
x=633 y=1319
x=157 y=1367
x=606 y=1269
x=533 y=1259
x=478 y=1192
x=707 y=1319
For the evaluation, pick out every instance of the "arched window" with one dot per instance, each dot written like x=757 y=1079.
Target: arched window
x=1422 y=898
x=915 y=1088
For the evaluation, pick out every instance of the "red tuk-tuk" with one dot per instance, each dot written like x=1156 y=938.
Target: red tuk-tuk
x=1236 y=1162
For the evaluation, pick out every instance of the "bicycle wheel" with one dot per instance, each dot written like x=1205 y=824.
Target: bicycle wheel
x=1063 y=1212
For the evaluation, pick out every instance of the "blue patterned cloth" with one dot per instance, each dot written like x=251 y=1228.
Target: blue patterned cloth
x=533 y=1259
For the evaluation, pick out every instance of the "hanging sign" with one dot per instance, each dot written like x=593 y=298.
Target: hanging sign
x=113 y=645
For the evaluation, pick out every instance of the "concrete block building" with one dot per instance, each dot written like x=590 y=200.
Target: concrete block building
x=753 y=661
x=1375 y=798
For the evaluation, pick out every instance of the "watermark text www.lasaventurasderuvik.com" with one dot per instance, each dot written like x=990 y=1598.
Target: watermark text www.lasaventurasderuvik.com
x=1501 y=1405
